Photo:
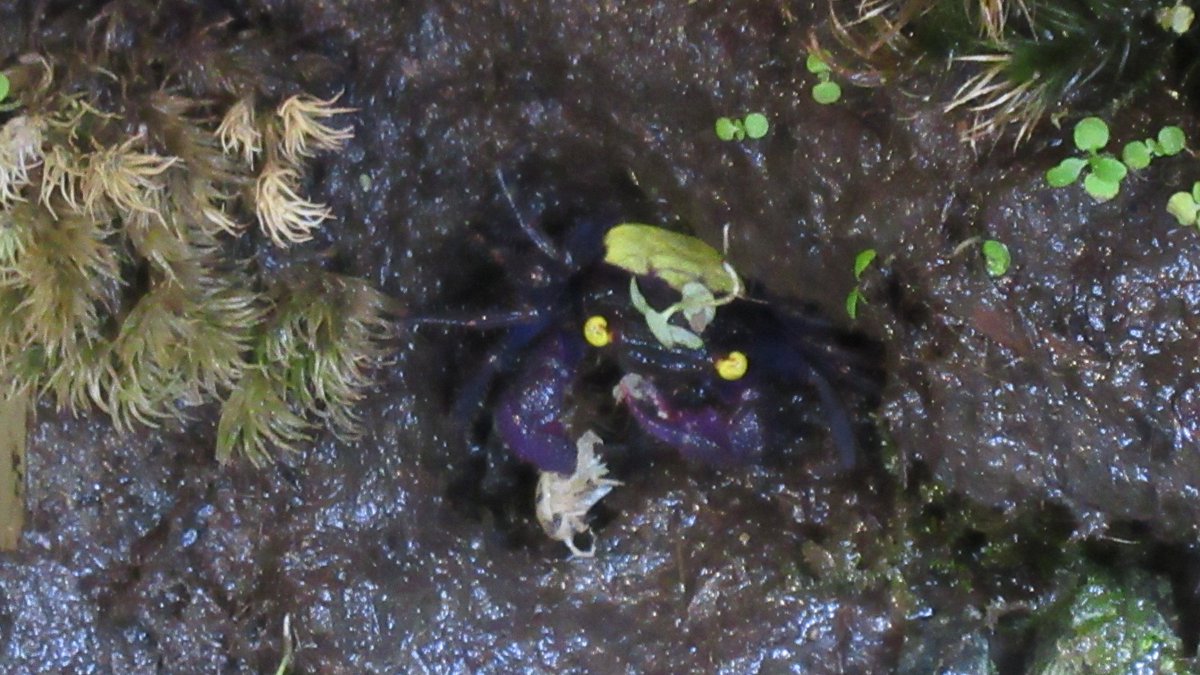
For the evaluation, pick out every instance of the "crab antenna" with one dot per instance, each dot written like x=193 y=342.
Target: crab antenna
x=539 y=239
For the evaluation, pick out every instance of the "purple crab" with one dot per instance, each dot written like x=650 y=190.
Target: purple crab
x=579 y=350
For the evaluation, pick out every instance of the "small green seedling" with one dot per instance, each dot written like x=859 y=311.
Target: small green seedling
x=996 y=257
x=1177 y=19
x=1137 y=155
x=1185 y=206
x=1105 y=172
x=861 y=262
x=754 y=126
x=826 y=91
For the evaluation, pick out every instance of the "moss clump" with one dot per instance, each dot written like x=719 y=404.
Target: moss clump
x=1110 y=625
x=127 y=187
x=1022 y=59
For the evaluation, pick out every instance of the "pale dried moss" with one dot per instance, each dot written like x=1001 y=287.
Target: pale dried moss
x=119 y=287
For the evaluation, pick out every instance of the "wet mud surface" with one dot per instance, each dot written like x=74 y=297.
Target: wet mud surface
x=1058 y=403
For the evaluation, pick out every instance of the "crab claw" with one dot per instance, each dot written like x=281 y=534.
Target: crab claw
x=715 y=435
x=530 y=413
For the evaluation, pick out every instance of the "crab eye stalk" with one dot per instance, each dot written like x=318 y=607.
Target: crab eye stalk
x=732 y=366
x=595 y=331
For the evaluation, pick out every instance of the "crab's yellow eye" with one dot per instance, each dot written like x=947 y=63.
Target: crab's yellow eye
x=732 y=366
x=595 y=331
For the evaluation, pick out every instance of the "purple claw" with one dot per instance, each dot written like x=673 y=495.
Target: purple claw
x=714 y=435
x=530 y=413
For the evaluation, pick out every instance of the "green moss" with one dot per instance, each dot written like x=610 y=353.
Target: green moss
x=1019 y=59
x=1111 y=624
x=123 y=283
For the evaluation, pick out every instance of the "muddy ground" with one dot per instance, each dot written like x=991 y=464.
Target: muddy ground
x=1030 y=424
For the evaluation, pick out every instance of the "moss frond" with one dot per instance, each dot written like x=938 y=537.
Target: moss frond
x=128 y=179
x=257 y=416
x=994 y=16
x=78 y=377
x=20 y=151
x=282 y=212
x=206 y=206
x=329 y=333
x=997 y=101
x=65 y=275
x=179 y=345
x=61 y=174
x=326 y=334
x=303 y=129
x=238 y=131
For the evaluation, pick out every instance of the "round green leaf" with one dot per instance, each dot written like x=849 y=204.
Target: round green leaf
x=1091 y=134
x=4 y=86
x=863 y=260
x=726 y=129
x=997 y=257
x=1171 y=140
x=1099 y=188
x=1108 y=169
x=756 y=125
x=816 y=65
x=1183 y=206
x=1066 y=172
x=1136 y=155
x=826 y=93
x=1196 y=191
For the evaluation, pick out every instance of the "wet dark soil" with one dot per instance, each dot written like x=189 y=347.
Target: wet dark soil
x=1021 y=414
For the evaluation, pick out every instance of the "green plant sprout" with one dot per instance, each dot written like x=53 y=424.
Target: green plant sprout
x=1185 y=206
x=826 y=91
x=1137 y=155
x=861 y=262
x=754 y=126
x=996 y=257
x=1177 y=19
x=1105 y=172
x=5 y=90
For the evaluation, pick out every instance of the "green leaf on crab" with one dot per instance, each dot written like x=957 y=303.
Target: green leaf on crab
x=698 y=306
x=675 y=258
x=659 y=322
